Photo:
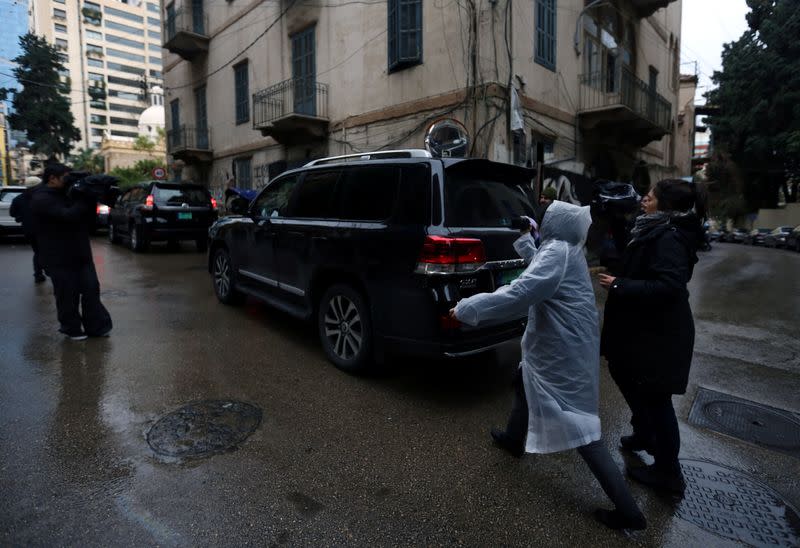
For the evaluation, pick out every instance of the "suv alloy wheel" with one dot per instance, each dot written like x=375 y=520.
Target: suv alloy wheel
x=138 y=243
x=345 y=328
x=222 y=275
x=112 y=237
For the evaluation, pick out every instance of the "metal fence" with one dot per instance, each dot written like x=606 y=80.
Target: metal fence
x=611 y=88
x=188 y=138
x=185 y=20
x=303 y=96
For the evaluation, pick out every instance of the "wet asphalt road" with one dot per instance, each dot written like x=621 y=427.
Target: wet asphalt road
x=399 y=459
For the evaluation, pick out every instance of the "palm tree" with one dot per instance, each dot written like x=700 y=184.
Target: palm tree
x=87 y=160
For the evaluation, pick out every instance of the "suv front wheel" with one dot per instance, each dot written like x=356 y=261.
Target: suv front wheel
x=345 y=328
x=222 y=274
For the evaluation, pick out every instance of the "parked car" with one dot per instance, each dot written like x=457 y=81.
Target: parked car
x=103 y=215
x=777 y=238
x=160 y=211
x=793 y=239
x=376 y=249
x=9 y=226
x=717 y=235
x=756 y=236
x=737 y=236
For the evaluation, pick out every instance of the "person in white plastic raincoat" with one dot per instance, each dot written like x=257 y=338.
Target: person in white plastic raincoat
x=558 y=408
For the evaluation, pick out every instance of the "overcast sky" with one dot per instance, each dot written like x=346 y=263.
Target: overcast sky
x=707 y=24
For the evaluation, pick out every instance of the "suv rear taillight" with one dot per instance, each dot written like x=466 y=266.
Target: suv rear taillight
x=148 y=202
x=442 y=255
x=213 y=203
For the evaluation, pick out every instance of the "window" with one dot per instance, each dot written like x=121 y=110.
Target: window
x=155 y=60
x=404 y=33
x=93 y=35
x=154 y=21
x=368 y=193
x=60 y=1
x=314 y=197
x=91 y=6
x=124 y=95
x=242 y=93
x=274 y=200
x=124 y=41
x=131 y=134
x=97 y=132
x=414 y=200
x=156 y=73
x=124 y=121
x=94 y=50
x=242 y=172
x=63 y=72
x=177 y=195
x=123 y=14
x=60 y=28
x=97 y=63
x=124 y=28
x=154 y=34
x=125 y=55
x=98 y=119
x=125 y=68
x=61 y=44
x=545 y=51
x=95 y=103
x=95 y=77
x=175 y=114
x=64 y=58
x=483 y=198
x=124 y=81
x=59 y=14
x=125 y=108
x=153 y=7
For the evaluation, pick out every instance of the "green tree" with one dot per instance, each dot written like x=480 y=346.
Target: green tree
x=144 y=144
x=87 y=160
x=758 y=96
x=141 y=171
x=41 y=107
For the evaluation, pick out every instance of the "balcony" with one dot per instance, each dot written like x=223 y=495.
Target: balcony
x=292 y=112
x=186 y=33
x=190 y=144
x=623 y=107
x=646 y=8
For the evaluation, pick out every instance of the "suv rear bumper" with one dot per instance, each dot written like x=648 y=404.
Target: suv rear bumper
x=155 y=234
x=466 y=344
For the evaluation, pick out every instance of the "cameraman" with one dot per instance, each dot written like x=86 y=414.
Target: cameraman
x=62 y=225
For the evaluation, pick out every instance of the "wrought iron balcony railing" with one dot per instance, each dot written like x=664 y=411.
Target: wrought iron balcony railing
x=188 y=138
x=185 y=20
x=621 y=88
x=304 y=97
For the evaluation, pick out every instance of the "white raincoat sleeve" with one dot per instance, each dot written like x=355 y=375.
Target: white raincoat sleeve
x=525 y=246
x=539 y=282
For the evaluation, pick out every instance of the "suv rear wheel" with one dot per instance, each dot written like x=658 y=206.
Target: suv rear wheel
x=138 y=241
x=112 y=234
x=222 y=274
x=345 y=328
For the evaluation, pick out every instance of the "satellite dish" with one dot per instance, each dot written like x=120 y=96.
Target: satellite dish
x=447 y=138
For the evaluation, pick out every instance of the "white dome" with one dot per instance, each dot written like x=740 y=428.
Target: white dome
x=152 y=118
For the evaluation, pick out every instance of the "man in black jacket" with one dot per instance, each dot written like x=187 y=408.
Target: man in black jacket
x=21 y=211
x=62 y=228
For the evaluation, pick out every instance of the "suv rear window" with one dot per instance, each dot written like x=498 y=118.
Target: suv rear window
x=7 y=196
x=480 y=200
x=175 y=196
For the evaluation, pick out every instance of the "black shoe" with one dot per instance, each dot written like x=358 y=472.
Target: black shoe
x=671 y=482
x=504 y=441
x=614 y=519
x=39 y=278
x=635 y=443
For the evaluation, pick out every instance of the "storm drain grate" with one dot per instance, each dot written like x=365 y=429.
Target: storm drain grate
x=204 y=428
x=733 y=505
x=746 y=420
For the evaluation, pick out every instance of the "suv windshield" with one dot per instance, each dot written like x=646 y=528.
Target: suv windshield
x=474 y=199
x=176 y=196
x=7 y=196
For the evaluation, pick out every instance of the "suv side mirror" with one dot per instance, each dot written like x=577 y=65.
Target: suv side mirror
x=239 y=206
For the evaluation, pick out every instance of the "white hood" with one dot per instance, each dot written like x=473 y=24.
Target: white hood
x=566 y=222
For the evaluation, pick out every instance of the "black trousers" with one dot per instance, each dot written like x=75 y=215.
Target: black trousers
x=594 y=454
x=653 y=419
x=76 y=286
x=37 y=263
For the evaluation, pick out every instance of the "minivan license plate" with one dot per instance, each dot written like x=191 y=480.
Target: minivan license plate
x=184 y=215
x=505 y=277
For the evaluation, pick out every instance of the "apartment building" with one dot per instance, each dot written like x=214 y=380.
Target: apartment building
x=111 y=52
x=256 y=87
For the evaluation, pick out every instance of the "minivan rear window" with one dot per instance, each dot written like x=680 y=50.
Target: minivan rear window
x=175 y=196
x=479 y=200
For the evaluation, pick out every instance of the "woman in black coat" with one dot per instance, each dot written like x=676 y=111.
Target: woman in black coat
x=648 y=330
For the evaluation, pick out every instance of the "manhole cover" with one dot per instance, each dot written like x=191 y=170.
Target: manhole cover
x=749 y=421
x=733 y=505
x=204 y=428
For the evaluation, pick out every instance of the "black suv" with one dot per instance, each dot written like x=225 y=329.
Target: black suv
x=158 y=211
x=377 y=248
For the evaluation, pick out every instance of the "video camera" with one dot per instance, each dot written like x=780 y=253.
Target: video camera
x=81 y=185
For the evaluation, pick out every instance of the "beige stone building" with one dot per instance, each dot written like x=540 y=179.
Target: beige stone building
x=255 y=87
x=685 y=129
x=111 y=50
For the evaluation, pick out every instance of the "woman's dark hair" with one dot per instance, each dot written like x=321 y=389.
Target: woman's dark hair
x=54 y=170
x=680 y=195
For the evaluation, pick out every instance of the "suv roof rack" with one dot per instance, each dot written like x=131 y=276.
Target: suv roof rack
x=381 y=155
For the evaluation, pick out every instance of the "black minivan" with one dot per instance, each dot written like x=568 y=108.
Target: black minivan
x=160 y=211
x=377 y=248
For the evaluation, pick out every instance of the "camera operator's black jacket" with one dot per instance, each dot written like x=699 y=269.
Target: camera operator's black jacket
x=62 y=226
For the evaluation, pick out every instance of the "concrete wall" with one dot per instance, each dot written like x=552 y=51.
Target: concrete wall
x=789 y=215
